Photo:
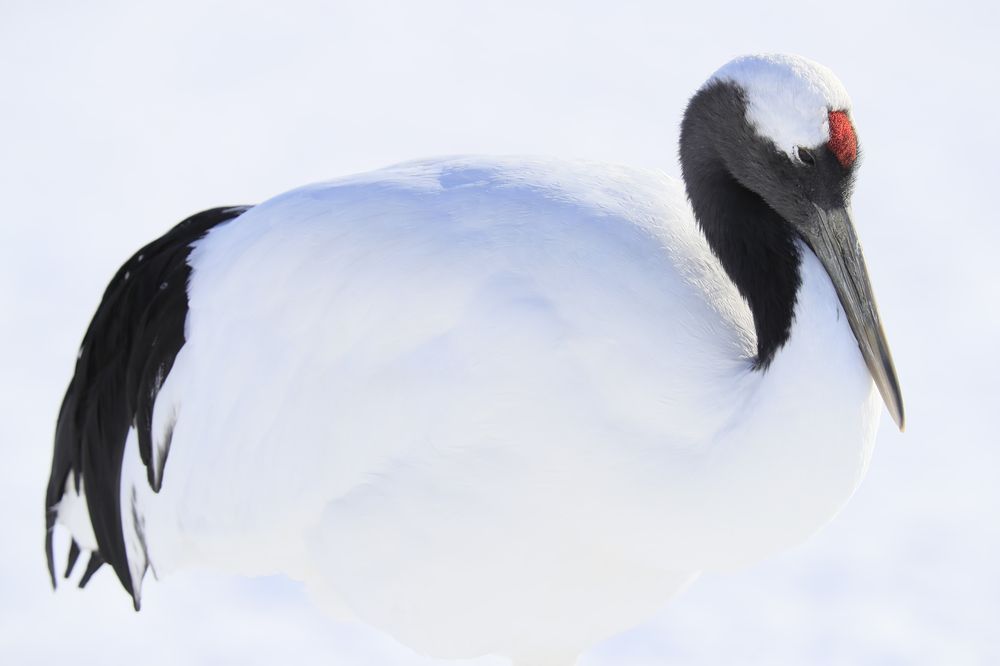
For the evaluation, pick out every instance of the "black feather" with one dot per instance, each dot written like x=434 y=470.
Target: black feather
x=74 y=553
x=127 y=352
x=93 y=564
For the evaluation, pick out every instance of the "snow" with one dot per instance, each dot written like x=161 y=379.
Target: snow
x=120 y=120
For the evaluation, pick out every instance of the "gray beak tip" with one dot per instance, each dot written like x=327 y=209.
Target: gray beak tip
x=900 y=419
x=884 y=375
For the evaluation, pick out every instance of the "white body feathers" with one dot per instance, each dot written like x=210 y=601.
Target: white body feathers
x=490 y=406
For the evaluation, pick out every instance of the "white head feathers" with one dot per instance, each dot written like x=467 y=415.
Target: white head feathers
x=789 y=97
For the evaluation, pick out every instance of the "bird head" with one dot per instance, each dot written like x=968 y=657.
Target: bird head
x=769 y=151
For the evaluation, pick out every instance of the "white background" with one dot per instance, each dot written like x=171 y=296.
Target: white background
x=119 y=119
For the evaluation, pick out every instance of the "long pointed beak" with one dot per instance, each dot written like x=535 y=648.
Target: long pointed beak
x=835 y=242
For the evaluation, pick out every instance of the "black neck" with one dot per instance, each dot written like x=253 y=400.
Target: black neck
x=754 y=243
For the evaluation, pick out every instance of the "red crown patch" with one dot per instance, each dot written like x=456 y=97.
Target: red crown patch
x=843 y=142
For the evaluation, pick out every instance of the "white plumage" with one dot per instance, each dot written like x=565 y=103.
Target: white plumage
x=502 y=405
x=789 y=97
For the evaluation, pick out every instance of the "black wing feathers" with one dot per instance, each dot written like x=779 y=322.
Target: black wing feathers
x=126 y=354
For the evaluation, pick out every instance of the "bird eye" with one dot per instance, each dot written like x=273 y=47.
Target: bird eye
x=805 y=156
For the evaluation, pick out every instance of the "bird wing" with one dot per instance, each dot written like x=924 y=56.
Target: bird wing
x=127 y=352
x=407 y=332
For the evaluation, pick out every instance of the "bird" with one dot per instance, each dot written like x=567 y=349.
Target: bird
x=494 y=405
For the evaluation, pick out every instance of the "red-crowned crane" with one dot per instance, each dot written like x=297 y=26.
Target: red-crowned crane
x=495 y=405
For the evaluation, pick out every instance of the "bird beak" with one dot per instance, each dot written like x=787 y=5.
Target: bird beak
x=833 y=239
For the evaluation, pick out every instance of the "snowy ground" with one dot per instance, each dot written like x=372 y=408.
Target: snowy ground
x=118 y=121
